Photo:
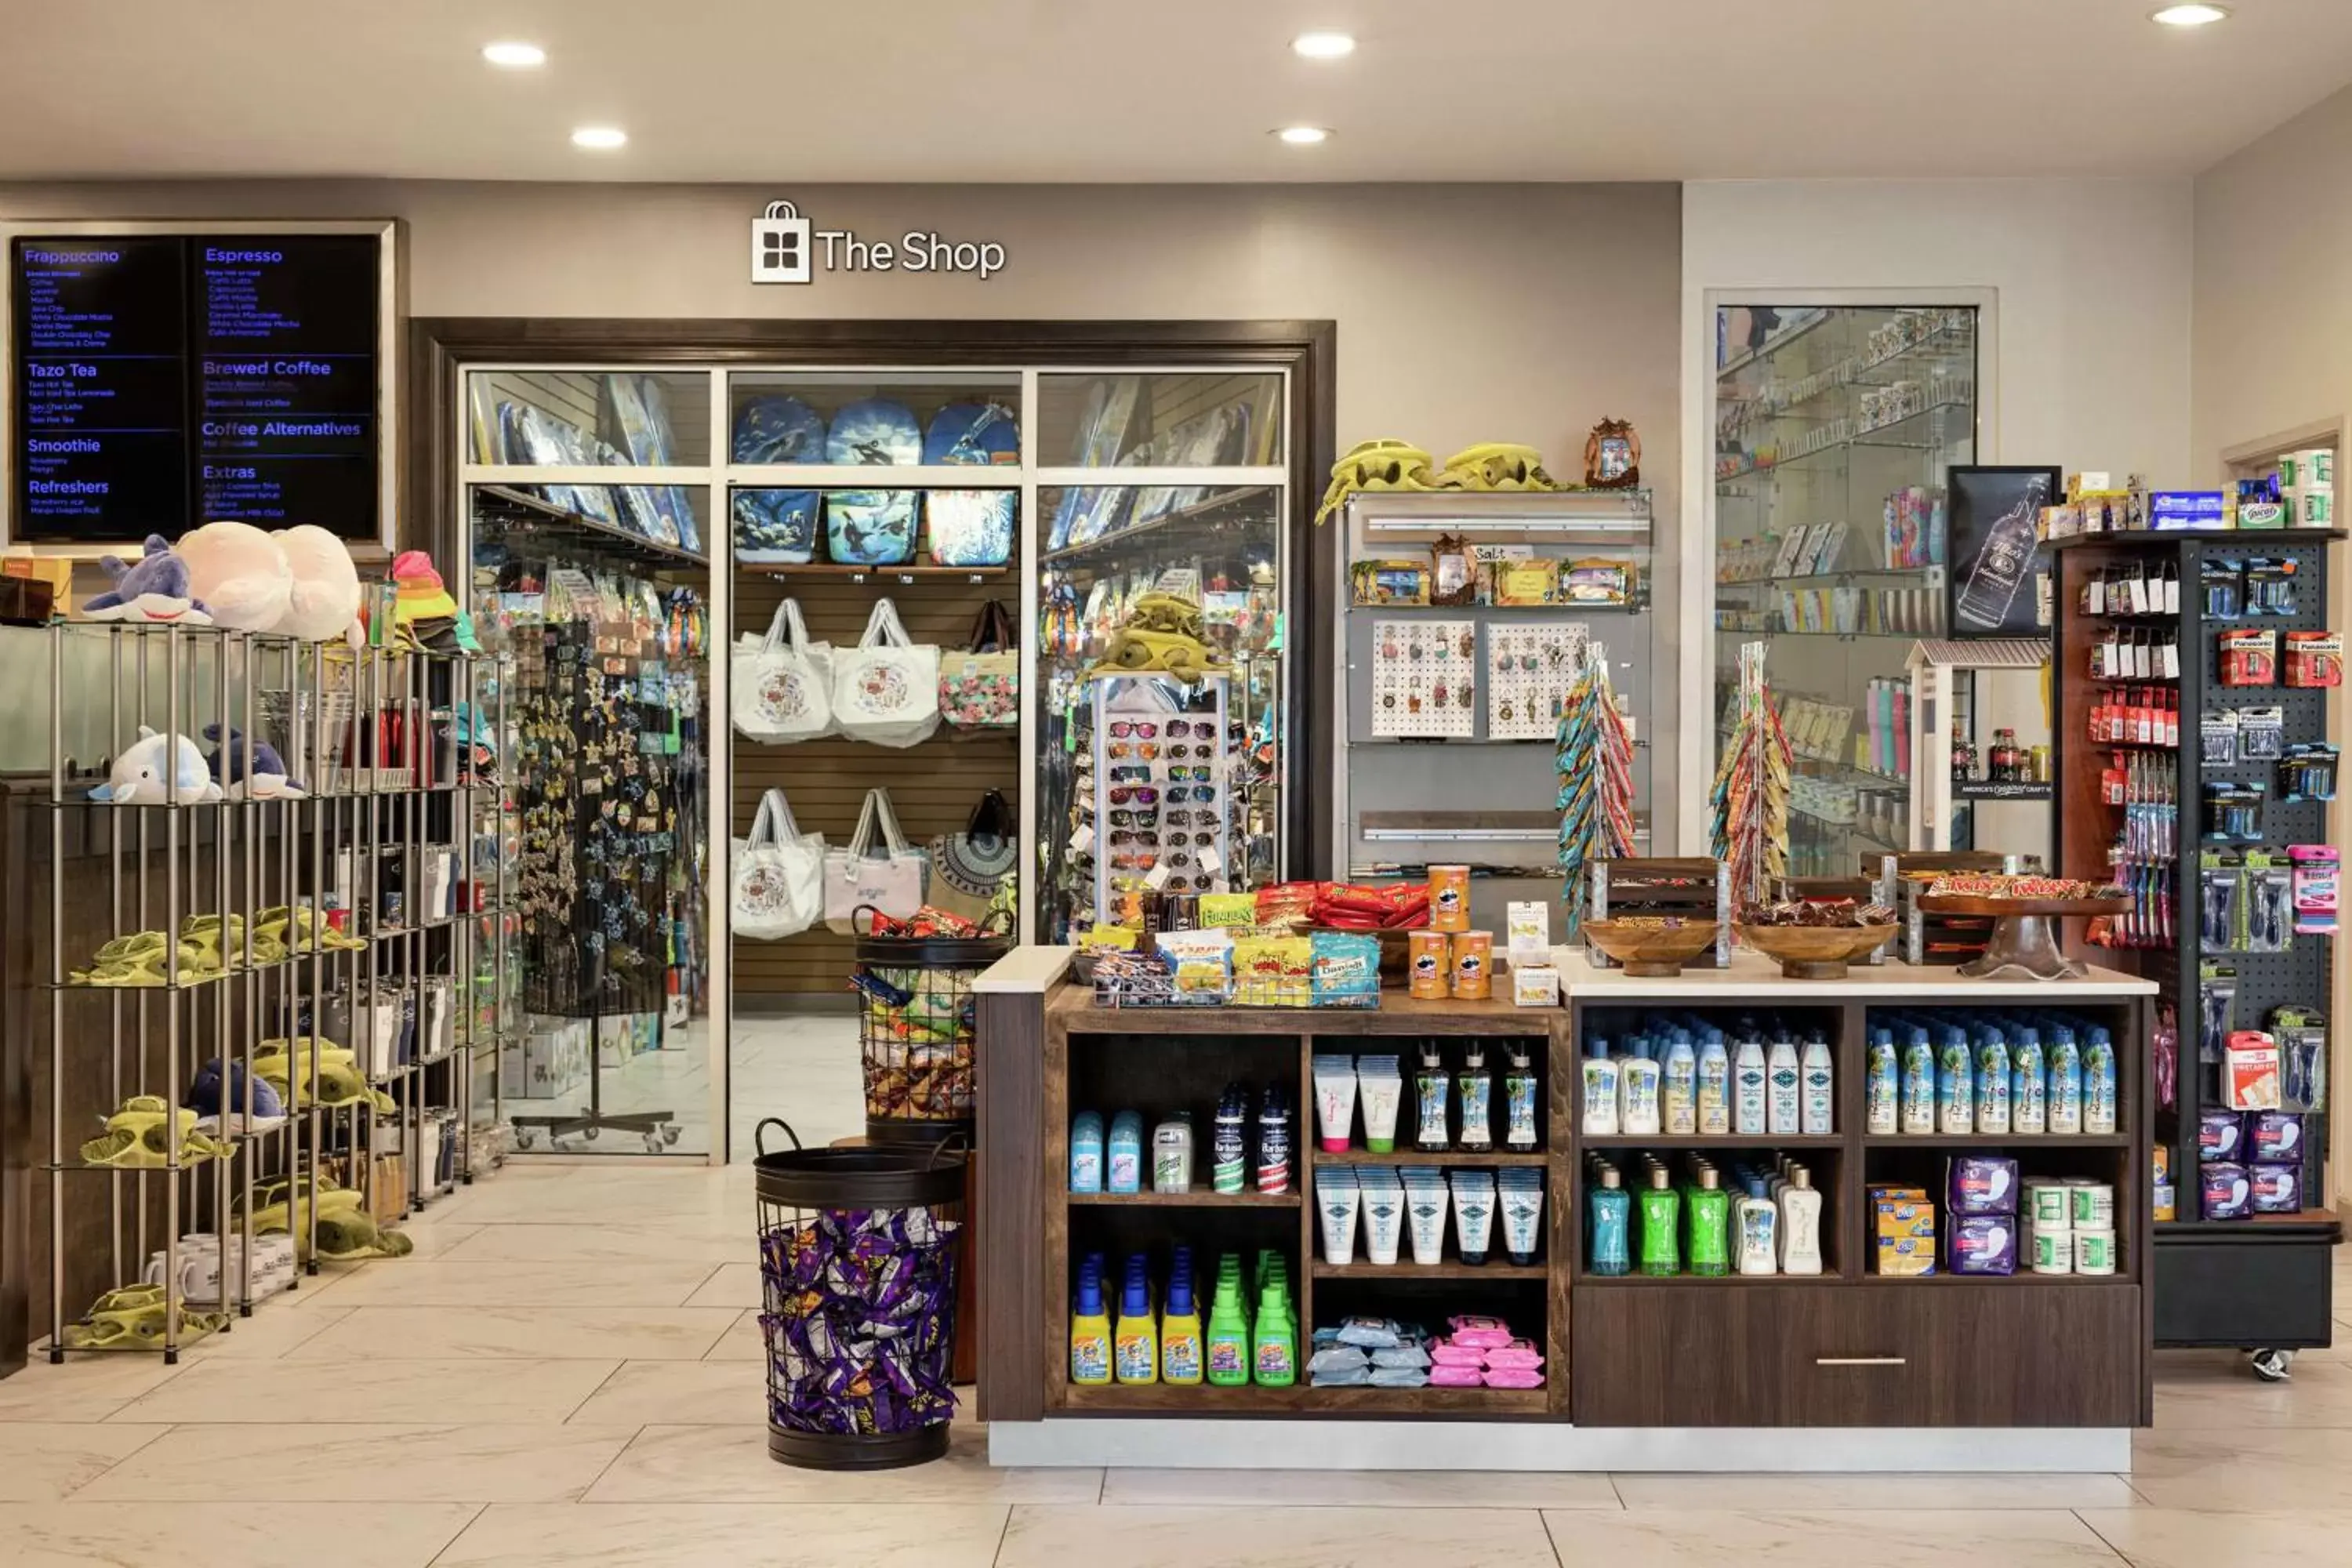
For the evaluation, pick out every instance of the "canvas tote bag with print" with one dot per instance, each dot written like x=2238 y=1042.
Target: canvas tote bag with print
x=981 y=689
x=970 y=868
x=892 y=877
x=886 y=689
x=777 y=889
x=782 y=683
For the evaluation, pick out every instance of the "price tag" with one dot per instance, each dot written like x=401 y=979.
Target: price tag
x=1156 y=878
x=1212 y=862
x=1083 y=840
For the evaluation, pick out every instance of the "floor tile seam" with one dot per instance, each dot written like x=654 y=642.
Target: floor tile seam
x=459 y=1534
x=162 y=1430
x=2121 y=1556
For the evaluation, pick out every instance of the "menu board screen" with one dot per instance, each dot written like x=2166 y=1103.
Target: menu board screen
x=162 y=382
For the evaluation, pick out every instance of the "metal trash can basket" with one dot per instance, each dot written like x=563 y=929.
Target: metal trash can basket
x=916 y=1033
x=859 y=1253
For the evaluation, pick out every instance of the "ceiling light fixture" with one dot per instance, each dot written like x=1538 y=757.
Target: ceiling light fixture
x=600 y=138
x=1323 y=46
x=2191 y=15
x=514 y=56
x=1303 y=135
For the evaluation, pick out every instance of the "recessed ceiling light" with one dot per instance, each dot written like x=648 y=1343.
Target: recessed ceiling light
x=514 y=56
x=2191 y=15
x=1323 y=46
x=600 y=138
x=1304 y=135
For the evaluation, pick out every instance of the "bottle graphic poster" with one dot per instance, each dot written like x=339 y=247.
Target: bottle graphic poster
x=1996 y=533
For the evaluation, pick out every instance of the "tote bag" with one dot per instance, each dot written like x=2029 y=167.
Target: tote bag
x=970 y=868
x=778 y=885
x=783 y=689
x=892 y=879
x=981 y=689
x=886 y=689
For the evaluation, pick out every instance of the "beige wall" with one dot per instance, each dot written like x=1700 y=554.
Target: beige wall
x=1465 y=312
x=2273 y=325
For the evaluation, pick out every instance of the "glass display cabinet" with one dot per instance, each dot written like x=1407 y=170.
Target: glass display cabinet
x=1833 y=428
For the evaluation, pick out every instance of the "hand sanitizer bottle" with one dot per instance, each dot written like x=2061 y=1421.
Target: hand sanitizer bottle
x=1714 y=1087
x=1954 y=1082
x=1599 y=1088
x=1784 y=1088
x=1800 y=1224
x=1882 y=1099
x=1748 y=1087
x=2029 y=1095
x=1919 y=1080
x=2065 y=1081
x=1679 y=1094
x=1637 y=1091
x=1992 y=1080
x=1817 y=1083
x=2098 y=1082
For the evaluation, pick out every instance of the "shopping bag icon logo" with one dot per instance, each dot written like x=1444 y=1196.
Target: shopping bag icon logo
x=779 y=245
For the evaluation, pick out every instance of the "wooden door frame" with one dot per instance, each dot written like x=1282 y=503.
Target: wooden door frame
x=440 y=349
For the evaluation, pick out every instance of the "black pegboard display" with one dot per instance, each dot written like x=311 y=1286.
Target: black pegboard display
x=2206 y=1291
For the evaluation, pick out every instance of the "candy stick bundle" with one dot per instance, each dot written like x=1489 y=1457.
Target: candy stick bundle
x=1596 y=778
x=1750 y=805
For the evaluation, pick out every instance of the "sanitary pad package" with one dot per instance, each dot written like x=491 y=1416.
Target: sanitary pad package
x=1981 y=1184
x=2225 y=1191
x=1981 y=1244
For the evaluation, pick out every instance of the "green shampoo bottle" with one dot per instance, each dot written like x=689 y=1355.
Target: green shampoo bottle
x=1227 y=1350
x=1661 y=1211
x=1709 y=1223
x=1274 y=1344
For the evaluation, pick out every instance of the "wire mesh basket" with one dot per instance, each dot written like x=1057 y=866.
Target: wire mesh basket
x=915 y=1032
x=859 y=1255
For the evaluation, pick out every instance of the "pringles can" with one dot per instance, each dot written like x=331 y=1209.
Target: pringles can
x=1474 y=962
x=1449 y=898
x=1431 y=961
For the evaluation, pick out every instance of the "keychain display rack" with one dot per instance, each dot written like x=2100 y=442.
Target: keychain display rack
x=2263 y=1283
x=611 y=787
x=244 y=912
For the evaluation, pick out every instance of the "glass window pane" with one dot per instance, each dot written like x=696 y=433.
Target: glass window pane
x=941 y=418
x=549 y=417
x=1188 y=420
x=1225 y=552
x=673 y=517
x=1834 y=428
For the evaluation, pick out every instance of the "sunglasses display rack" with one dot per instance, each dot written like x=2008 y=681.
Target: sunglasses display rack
x=271 y=955
x=1160 y=781
x=2161 y=790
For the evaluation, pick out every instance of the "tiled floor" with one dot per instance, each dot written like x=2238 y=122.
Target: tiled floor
x=567 y=1375
x=803 y=1068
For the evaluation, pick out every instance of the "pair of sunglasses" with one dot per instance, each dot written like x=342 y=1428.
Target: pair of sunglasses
x=1198 y=774
x=1134 y=818
x=1204 y=793
x=1146 y=750
x=1126 y=729
x=1142 y=795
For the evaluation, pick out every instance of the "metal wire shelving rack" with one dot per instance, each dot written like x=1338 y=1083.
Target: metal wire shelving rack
x=372 y=902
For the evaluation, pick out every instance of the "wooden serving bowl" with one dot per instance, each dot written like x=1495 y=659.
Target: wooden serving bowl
x=1815 y=952
x=1650 y=952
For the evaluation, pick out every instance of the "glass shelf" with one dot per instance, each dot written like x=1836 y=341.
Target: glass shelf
x=1833 y=429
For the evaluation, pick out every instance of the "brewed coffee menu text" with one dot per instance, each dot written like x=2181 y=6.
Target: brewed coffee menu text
x=162 y=382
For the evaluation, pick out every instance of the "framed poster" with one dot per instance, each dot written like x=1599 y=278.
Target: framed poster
x=2000 y=581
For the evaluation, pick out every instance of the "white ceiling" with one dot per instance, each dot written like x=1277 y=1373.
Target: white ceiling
x=1118 y=90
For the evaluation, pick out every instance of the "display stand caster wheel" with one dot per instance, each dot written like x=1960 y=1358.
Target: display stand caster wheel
x=2272 y=1366
x=525 y=1137
x=669 y=1132
x=589 y=1132
x=653 y=1142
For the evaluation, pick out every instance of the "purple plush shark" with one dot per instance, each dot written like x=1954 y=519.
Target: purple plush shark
x=152 y=588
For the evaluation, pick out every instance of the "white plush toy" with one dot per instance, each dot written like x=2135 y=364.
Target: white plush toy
x=325 y=600
x=239 y=573
x=143 y=774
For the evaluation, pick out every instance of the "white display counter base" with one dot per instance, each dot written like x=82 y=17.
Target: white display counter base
x=1327 y=1444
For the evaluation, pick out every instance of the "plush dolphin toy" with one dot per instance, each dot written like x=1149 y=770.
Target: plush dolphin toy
x=143 y=774
x=228 y=764
x=155 y=587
